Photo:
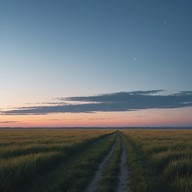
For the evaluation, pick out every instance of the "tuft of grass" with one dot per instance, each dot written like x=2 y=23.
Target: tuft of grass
x=181 y=167
x=182 y=184
x=161 y=160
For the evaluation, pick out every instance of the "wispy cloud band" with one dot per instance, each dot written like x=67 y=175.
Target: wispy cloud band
x=121 y=101
x=8 y=122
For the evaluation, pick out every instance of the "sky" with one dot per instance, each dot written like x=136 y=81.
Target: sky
x=66 y=63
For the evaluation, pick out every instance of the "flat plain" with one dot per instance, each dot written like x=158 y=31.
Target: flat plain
x=88 y=160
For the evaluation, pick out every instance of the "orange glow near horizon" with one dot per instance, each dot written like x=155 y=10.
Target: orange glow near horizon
x=155 y=117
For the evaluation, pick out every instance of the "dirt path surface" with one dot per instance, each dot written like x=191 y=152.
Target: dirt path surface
x=95 y=183
x=123 y=185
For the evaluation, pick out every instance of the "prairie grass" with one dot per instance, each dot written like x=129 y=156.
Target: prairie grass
x=20 y=137
x=20 y=170
x=27 y=154
x=182 y=183
x=66 y=160
x=75 y=174
x=181 y=167
x=160 y=158
x=139 y=168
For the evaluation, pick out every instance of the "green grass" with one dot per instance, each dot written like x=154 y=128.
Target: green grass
x=66 y=160
x=110 y=176
x=20 y=170
x=21 y=164
x=160 y=160
x=182 y=183
x=75 y=174
x=140 y=170
x=181 y=167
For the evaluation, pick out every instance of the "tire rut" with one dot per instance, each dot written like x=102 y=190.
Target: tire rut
x=95 y=183
x=124 y=179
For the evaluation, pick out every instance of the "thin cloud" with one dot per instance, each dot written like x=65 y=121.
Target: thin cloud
x=8 y=122
x=140 y=116
x=99 y=118
x=113 y=102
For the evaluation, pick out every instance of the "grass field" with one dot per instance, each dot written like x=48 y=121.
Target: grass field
x=48 y=160
x=160 y=160
x=25 y=155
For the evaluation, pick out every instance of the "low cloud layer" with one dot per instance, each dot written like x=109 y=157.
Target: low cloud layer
x=121 y=101
x=8 y=122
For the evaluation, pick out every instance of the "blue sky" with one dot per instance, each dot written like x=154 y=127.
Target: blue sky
x=66 y=48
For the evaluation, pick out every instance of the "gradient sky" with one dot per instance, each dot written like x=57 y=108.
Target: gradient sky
x=53 y=49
